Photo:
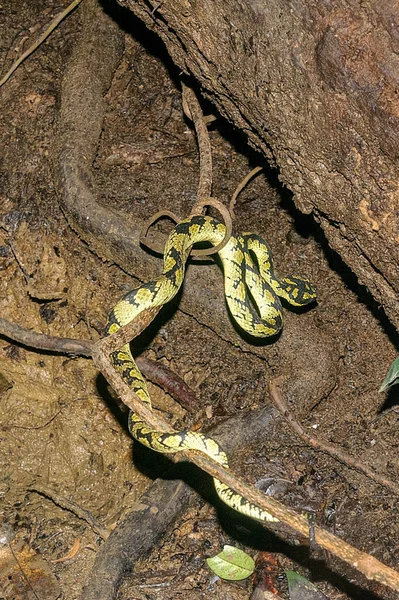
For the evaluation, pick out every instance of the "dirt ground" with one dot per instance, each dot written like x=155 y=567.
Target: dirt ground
x=61 y=429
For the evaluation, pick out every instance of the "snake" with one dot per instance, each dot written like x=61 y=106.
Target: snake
x=253 y=294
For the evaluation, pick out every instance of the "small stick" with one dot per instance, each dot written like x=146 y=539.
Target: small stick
x=323 y=446
x=168 y=380
x=193 y=111
x=54 y=23
x=241 y=186
x=74 y=508
x=153 y=370
x=40 y=341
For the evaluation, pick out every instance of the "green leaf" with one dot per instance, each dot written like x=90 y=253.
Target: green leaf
x=232 y=564
x=392 y=376
x=301 y=588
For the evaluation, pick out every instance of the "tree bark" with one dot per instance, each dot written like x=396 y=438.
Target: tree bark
x=314 y=86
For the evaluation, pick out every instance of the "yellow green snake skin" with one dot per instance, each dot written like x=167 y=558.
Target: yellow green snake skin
x=240 y=275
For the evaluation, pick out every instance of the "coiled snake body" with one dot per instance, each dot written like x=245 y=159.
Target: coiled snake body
x=240 y=275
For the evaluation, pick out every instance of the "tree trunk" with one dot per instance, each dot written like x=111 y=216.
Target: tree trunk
x=314 y=86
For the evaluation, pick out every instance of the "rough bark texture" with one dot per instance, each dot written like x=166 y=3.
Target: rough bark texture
x=314 y=87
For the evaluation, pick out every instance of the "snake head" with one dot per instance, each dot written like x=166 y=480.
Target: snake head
x=297 y=290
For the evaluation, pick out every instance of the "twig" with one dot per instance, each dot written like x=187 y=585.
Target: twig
x=324 y=446
x=74 y=508
x=153 y=370
x=11 y=426
x=221 y=208
x=72 y=552
x=101 y=352
x=144 y=239
x=54 y=23
x=241 y=186
x=40 y=341
x=168 y=380
x=193 y=111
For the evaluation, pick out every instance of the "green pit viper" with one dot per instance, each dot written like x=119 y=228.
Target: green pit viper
x=242 y=279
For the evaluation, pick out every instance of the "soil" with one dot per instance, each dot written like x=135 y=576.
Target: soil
x=59 y=425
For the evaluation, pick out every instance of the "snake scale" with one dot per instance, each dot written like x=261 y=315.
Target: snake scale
x=246 y=282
